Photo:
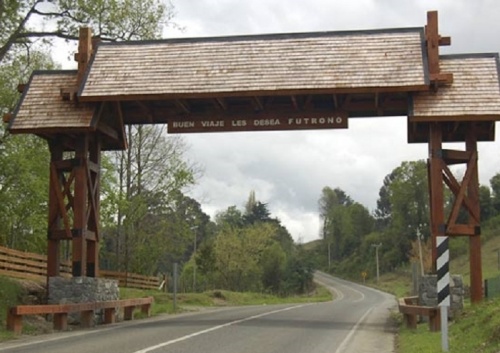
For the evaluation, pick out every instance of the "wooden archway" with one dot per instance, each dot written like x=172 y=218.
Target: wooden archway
x=256 y=83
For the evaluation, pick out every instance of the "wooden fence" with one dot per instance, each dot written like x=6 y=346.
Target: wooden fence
x=31 y=266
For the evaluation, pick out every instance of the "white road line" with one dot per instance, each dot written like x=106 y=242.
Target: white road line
x=346 y=340
x=184 y=338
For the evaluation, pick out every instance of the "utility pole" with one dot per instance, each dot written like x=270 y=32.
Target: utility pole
x=419 y=239
x=376 y=246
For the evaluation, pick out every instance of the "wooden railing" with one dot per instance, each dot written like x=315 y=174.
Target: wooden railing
x=60 y=312
x=31 y=266
x=132 y=280
x=410 y=309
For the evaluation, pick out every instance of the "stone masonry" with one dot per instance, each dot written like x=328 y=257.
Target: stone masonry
x=427 y=293
x=82 y=290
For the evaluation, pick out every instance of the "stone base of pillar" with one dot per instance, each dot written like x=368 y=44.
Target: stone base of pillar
x=82 y=290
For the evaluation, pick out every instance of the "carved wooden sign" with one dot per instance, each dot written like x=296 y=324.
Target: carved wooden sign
x=335 y=121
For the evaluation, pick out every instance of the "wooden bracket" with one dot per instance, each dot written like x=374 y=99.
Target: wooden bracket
x=7 y=118
x=21 y=87
x=69 y=93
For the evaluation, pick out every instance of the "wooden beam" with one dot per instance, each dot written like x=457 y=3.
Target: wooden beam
x=475 y=263
x=56 y=188
x=7 y=117
x=463 y=230
x=441 y=78
x=183 y=105
x=456 y=157
x=84 y=53
x=221 y=103
x=257 y=103
x=444 y=41
x=121 y=125
x=69 y=93
x=54 y=216
x=108 y=131
x=432 y=41
x=455 y=187
x=436 y=186
x=335 y=101
x=79 y=266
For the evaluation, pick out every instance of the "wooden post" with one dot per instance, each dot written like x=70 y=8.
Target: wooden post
x=432 y=38
x=80 y=207
x=436 y=188
x=474 y=240
x=53 y=256
x=84 y=52
x=94 y=205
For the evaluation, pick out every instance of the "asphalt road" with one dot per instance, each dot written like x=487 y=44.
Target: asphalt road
x=357 y=321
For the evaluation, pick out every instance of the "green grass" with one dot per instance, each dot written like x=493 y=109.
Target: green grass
x=476 y=330
x=489 y=254
x=191 y=301
x=11 y=293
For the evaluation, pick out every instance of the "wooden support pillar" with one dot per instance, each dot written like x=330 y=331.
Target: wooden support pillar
x=436 y=188
x=54 y=221
x=476 y=277
x=94 y=205
x=80 y=207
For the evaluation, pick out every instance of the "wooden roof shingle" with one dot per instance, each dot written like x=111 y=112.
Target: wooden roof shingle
x=474 y=94
x=42 y=109
x=333 y=61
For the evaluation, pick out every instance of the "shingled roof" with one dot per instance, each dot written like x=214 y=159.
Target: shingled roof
x=378 y=60
x=42 y=110
x=474 y=94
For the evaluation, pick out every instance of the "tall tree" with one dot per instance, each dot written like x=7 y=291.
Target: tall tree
x=24 y=21
x=152 y=172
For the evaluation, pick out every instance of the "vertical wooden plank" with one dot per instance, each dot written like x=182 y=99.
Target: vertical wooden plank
x=128 y=312
x=109 y=315
x=432 y=37
x=60 y=321
x=54 y=222
x=80 y=207
x=93 y=222
x=436 y=187
x=87 y=318
x=476 y=273
x=14 y=323
x=84 y=52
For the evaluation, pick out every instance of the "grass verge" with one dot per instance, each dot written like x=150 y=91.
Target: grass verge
x=192 y=301
x=11 y=293
x=476 y=330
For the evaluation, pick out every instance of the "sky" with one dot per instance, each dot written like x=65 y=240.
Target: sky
x=288 y=170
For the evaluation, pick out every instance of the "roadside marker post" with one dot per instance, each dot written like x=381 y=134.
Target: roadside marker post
x=443 y=287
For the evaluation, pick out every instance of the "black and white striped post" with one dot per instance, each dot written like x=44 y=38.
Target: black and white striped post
x=443 y=286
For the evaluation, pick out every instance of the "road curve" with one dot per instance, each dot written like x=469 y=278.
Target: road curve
x=356 y=321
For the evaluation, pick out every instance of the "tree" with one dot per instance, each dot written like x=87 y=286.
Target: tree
x=151 y=176
x=28 y=28
x=486 y=203
x=495 y=188
x=231 y=217
x=23 y=22
x=383 y=211
x=23 y=165
x=407 y=192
